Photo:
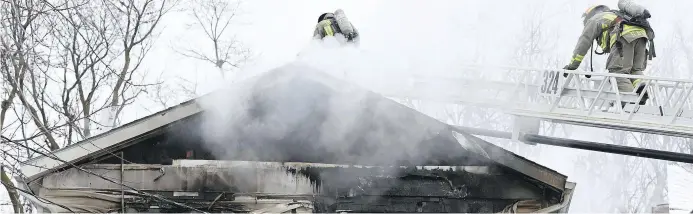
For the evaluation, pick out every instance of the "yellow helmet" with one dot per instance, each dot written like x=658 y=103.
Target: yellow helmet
x=591 y=11
x=325 y=16
x=594 y=10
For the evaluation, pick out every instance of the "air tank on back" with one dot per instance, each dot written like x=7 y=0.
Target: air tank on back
x=343 y=22
x=630 y=7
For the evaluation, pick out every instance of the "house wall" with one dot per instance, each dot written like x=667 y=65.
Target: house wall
x=237 y=185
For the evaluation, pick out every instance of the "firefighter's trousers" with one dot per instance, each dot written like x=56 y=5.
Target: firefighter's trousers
x=627 y=58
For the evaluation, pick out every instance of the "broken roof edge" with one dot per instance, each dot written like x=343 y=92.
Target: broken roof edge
x=65 y=156
x=515 y=162
x=564 y=205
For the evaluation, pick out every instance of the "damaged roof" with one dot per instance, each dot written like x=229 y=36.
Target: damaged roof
x=297 y=114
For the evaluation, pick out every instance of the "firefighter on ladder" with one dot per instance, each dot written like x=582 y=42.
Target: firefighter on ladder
x=626 y=45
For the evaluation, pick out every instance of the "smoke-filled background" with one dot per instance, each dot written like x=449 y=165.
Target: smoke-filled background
x=436 y=38
x=427 y=38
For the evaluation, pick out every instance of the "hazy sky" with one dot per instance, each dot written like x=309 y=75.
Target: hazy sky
x=449 y=29
x=435 y=35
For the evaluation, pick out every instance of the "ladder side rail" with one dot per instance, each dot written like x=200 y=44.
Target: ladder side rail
x=628 y=98
x=659 y=86
x=651 y=124
x=657 y=111
x=572 y=95
x=634 y=98
x=656 y=98
x=606 y=120
x=606 y=96
x=529 y=87
x=526 y=81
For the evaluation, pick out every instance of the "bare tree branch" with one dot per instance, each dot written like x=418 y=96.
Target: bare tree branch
x=140 y=22
x=214 y=18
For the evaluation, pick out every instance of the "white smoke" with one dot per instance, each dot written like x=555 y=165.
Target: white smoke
x=338 y=134
x=231 y=116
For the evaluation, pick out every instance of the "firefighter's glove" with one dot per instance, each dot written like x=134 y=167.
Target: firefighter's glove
x=570 y=67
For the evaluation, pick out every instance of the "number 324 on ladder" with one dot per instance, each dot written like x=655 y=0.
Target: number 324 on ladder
x=549 y=85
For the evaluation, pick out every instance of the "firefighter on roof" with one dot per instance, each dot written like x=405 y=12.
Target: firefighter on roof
x=336 y=24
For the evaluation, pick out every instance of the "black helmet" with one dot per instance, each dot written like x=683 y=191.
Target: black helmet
x=325 y=16
x=590 y=12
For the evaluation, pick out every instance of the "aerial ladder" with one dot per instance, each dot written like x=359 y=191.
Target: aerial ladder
x=532 y=95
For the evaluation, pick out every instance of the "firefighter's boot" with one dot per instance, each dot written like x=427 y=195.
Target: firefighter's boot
x=640 y=88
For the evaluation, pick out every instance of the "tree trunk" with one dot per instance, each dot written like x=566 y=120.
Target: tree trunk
x=6 y=181
x=11 y=191
x=87 y=127
x=113 y=110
